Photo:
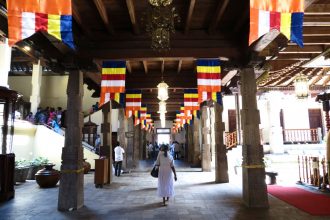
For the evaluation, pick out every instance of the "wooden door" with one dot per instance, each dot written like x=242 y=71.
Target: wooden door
x=315 y=119
x=232 y=120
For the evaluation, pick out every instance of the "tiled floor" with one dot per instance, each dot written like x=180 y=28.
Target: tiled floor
x=133 y=196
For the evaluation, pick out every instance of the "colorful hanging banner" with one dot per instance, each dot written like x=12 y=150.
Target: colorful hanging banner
x=208 y=79
x=26 y=17
x=133 y=102
x=191 y=104
x=285 y=16
x=143 y=116
x=113 y=82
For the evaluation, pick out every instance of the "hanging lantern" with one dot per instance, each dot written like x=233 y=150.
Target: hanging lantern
x=162 y=91
x=301 y=86
x=162 y=107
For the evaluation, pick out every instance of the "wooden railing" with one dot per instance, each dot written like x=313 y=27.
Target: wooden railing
x=231 y=139
x=301 y=135
x=313 y=171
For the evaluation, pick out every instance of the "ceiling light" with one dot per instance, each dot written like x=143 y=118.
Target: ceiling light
x=162 y=91
x=301 y=86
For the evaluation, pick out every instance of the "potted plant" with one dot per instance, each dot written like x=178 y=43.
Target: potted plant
x=21 y=170
x=35 y=165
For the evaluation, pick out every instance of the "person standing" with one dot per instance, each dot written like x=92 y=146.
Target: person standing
x=119 y=157
x=176 y=150
x=166 y=168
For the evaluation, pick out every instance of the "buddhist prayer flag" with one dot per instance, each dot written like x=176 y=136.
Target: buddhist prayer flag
x=26 y=17
x=113 y=81
x=133 y=102
x=143 y=116
x=208 y=79
x=191 y=104
x=285 y=16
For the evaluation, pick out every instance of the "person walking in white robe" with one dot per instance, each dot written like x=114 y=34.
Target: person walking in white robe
x=165 y=176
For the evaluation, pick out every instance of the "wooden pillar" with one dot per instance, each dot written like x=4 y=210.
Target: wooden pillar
x=221 y=162
x=136 y=145
x=190 y=143
x=106 y=130
x=121 y=133
x=130 y=142
x=71 y=190
x=186 y=142
x=206 y=146
x=196 y=142
x=254 y=186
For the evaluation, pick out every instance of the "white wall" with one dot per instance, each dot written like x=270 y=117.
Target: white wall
x=31 y=141
x=52 y=91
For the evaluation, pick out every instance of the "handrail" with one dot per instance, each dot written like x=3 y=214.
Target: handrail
x=301 y=135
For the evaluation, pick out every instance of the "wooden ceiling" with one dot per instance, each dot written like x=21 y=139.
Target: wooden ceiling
x=113 y=29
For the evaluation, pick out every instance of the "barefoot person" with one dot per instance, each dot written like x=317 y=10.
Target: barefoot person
x=165 y=176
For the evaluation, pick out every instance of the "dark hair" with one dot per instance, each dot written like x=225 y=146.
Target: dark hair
x=118 y=143
x=165 y=149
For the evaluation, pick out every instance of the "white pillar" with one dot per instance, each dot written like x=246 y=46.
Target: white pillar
x=5 y=54
x=275 y=129
x=36 y=84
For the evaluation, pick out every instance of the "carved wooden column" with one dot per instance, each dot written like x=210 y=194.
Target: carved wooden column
x=254 y=186
x=106 y=130
x=136 y=145
x=196 y=146
x=130 y=142
x=71 y=190
x=121 y=133
x=206 y=146
x=221 y=162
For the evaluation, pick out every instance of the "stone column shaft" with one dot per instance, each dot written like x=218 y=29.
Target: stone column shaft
x=36 y=84
x=121 y=133
x=190 y=143
x=197 y=146
x=130 y=142
x=106 y=130
x=137 y=145
x=143 y=153
x=238 y=119
x=206 y=146
x=254 y=186
x=71 y=190
x=221 y=162
x=5 y=54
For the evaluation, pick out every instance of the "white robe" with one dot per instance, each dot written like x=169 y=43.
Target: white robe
x=165 y=175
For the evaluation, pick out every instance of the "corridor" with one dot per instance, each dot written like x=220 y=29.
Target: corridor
x=132 y=196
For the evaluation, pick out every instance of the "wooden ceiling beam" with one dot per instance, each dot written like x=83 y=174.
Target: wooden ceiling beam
x=145 y=66
x=104 y=16
x=135 y=53
x=316 y=31
x=128 y=67
x=77 y=18
x=162 y=66
x=325 y=82
x=131 y=11
x=222 y=5
x=302 y=56
x=189 y=15
x=306 y=49
x=179 y=66
x=312 y=8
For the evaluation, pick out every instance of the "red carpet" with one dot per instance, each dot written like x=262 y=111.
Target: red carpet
x=312 y=203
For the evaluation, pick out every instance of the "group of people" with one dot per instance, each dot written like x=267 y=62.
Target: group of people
x=50 y=116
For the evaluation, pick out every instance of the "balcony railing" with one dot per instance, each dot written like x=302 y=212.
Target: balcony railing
x=301 y=135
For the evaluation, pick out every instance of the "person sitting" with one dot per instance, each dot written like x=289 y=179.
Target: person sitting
x=30 y=117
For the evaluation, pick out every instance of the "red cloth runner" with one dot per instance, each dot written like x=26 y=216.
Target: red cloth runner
x=312 y=203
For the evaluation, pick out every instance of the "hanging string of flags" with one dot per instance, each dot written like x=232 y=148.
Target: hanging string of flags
x=26 y=17
x=286 y=16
